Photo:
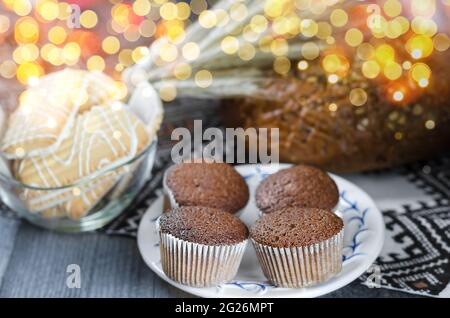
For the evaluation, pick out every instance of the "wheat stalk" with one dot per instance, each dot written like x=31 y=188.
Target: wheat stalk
x=232 y=75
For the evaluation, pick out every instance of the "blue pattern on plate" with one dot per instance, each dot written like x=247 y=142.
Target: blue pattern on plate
x=254 y=287
x=352 y=214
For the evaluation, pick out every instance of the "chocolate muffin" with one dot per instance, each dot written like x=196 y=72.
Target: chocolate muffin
x=216 y=185
x=201 y=246
x=299 y=247
x=300 y=186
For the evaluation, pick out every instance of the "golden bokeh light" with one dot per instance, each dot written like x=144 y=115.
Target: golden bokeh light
x=246 y=52
x=302 y=65
x=190 y=51
x=142 y=7
x=392 y=8
x=238 y=12
x=168 y=52
x=336 y=64
x=197 y=6
x=230 y=45
x=392 y=70
x=398 y=96
x=279 y=47
x=8 y=69
x=111 y=45
x=421 y=73
x=183 y=11
x=282 y=65
x=89 y=19
x=95 y=63
x=139 y=53
x=207 y=19
x=309 y=28
x=22 y=7
x=332 y=107
x=390 y=47
x=26 y=30
x=423 y=26
x=168 y=11
x=365 y=51
x=354 y=37
x=147 y=28
x=203 y=78
x=371 y=69
x=57 y=35
x=338 y=18
x=358 y=97
x=71 y=52
x=385 y=54
x=48 y=10
x=310 y=50
x=168 y=93
x=182 y=71
x=333 y=78
x=441 y=42
x=4 y=23
x=420 y=46
x=430 y=124
x=28 y=72
x=259 y=23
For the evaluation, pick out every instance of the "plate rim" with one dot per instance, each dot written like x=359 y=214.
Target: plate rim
x=295 y=293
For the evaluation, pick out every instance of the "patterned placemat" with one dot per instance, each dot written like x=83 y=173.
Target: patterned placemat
x=416 y=254
x=414 y=200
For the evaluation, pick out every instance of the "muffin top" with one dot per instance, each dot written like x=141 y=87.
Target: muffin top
x=296 y=227
x=217 y=185
x=203 y=225
x=301 y=186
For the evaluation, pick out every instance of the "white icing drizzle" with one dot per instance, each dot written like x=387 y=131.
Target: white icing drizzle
x=54 y=103
x=80 y=146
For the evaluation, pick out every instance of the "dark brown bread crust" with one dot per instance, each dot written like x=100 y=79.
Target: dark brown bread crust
x=350 y=138
x=300 y=186
x=217 y=185
x=296 y=227
x=203 y=225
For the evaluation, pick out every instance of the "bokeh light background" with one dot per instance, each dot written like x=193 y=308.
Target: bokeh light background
x=391 y=41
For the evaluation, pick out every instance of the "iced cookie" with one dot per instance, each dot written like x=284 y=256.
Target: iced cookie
x=103 y=139
x=47 y=111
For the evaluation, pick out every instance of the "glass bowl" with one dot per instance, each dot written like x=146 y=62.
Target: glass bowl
x=94 y=200
x=124 y=182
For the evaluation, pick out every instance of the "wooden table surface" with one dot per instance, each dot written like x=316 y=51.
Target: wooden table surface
x=33 y=263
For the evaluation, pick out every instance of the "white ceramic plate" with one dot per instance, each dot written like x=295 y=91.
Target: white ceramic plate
x=363 y=240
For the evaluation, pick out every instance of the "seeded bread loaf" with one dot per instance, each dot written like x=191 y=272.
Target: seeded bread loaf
x=320 y=126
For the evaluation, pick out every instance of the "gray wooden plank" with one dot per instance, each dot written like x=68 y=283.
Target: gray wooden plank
x=8 y=231
x=110 y=267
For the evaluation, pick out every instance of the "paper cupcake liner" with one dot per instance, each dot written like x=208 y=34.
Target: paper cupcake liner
x=299 y=267
x=171 y=198
x=167 y=192
x=199 y=265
